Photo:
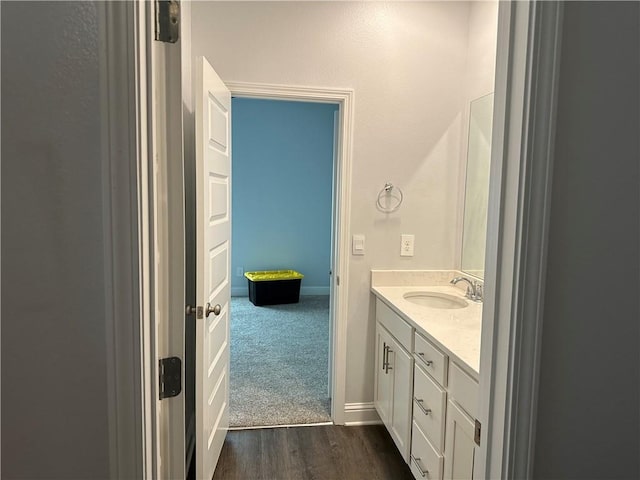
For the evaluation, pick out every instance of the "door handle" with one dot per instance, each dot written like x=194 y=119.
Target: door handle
x=216 y=309
x=197 y=311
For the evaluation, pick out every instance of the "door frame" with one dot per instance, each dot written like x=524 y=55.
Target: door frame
x=127 y=192
x=344 y=98
x=527 y=80
x=142 y=176
x=167 y=226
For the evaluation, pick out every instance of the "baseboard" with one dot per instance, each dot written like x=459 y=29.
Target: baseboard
x=361 y=414
x=239 y=291
x=242 y=291
x=314 y=291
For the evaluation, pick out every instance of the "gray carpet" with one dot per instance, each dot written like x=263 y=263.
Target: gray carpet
x=279 y=362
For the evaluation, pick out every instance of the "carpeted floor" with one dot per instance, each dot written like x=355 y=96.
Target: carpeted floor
x=279 y=362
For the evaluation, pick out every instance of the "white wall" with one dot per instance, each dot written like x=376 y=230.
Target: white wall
x=406 y=63
x=54 y=385
x=588 y=422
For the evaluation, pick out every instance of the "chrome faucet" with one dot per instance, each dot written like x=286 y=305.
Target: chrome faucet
x=474 y=289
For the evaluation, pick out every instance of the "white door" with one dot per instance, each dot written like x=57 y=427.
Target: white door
x=213 y=239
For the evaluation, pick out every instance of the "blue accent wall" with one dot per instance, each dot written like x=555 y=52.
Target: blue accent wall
x=281 y=186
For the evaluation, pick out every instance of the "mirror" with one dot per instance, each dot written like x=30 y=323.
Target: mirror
x=476 y=197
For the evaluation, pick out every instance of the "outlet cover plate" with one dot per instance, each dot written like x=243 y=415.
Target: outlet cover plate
x=406 y=245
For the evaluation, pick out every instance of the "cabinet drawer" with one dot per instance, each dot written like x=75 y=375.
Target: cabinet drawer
x=429 y=407
x=394 y=324
x=464 y=390
x=425 y=462
x=431 y=359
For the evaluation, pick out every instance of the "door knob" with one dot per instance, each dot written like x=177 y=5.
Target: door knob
x=215 y=309
x=190 y=310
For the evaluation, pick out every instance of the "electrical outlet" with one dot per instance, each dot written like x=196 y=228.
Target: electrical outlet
x=239 y=271
x=406 y=245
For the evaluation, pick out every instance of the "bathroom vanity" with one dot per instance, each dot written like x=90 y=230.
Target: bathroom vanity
x=426 y=369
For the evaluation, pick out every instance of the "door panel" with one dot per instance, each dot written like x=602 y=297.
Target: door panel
x=213 y=232
x=460 y=446
x=401 y=362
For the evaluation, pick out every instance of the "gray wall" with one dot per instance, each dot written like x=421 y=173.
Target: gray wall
x=54 y=399
x=588 y=425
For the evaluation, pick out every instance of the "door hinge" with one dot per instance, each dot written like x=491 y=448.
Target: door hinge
x=476 y=433
x=170 y=369
x=167 y=20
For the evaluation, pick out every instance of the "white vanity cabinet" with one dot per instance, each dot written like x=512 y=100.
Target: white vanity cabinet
x=425 y=399
x=393 y=376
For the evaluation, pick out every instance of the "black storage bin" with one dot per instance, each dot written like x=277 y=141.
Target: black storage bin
x=273 y=287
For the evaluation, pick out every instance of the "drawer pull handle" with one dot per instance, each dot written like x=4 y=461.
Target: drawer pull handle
x=388 y=366
x=428 y=362
x=419 y=401
x=424 y=473
x=384 y=355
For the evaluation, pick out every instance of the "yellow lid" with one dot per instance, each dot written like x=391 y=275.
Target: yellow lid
x=273 y=275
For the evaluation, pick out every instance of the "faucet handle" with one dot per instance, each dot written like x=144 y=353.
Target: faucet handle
x=470 y=292
x=478 y=291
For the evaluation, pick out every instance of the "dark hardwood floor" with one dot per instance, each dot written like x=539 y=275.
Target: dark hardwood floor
x=325 y=452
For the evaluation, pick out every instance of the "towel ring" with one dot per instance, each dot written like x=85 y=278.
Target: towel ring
x=389 y=192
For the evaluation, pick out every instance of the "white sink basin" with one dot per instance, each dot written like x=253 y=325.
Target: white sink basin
x=435 y=300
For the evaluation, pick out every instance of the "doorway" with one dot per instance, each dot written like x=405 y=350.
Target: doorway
x=518 y=29
x=282 y=210
x=344 y=99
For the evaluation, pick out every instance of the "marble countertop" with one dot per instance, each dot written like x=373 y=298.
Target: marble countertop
x=455 y=331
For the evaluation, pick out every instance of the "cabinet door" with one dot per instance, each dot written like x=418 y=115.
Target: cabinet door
x=383 y=376
x=460 y=447
x=401 y=365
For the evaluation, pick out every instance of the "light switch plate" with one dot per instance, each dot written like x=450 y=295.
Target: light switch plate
x=406 y=245
x=357 y=245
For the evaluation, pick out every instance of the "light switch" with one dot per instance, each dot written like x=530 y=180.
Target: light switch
x=406 y=245
x=357 y=245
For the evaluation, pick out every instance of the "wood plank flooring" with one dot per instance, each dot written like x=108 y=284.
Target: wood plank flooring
x=324 y=452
